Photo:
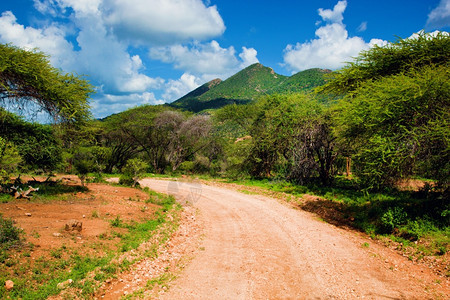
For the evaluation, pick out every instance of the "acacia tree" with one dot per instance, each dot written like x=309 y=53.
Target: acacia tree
x=191 y=137
x=27 y=77
x=291 y=134
x=421 y=50
x=313 y=148
x=395 y=110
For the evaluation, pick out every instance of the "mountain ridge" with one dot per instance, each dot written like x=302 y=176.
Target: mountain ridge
x=247 y=85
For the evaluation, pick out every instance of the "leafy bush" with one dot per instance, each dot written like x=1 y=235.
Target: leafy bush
x=392 y=218
x=9 y=234
x=127 y=180
x=133 y=171
x=9 y=158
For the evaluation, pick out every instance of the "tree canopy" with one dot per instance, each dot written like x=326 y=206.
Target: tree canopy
x=27 y=76
x=394 y=114
x=423 y=49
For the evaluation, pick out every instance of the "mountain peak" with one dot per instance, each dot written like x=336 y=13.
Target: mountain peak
x=247 y=85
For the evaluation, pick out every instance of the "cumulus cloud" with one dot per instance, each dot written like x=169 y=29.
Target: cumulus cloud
x=334 y=15
x=162 y=21
x=100 y=54
x=332 y=48
x=50 y=40
x=107 y=104
x=106 y=59
x=208 y=59
x=96 y=37
x=198 y=58
x=175 y=89
x=440 y=16
x=248 y=56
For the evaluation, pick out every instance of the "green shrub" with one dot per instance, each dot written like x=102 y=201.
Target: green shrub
x=133 y=171
x=127 y=180
x=9 y=233
x=392 y=218
x=117 y=222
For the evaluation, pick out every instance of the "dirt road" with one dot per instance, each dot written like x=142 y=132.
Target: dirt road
x=258 y=248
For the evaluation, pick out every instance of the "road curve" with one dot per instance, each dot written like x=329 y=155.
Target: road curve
x=258 y=248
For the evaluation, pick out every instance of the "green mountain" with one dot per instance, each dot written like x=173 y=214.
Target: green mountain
x=303 y=81
x=247 y=85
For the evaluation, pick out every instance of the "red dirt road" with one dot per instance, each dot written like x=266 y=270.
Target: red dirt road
x=257 y=248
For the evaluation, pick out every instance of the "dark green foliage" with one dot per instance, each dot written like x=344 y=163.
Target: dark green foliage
x=195 y=105
x=393 y=218
x=35 y=143
x=291 y=137
x=133 y=171
x=302 y=81
x=394 y=118
x=9 y=159
x=27 y=76
x=85 y=161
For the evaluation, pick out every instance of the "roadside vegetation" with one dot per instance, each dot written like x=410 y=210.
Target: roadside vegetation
x=80 y=269
x=354 y=142
x=415 y=222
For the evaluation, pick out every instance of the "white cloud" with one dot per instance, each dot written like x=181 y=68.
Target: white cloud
x=107 y=61
x=362 y=27
x=199 y=58
x=208 y=59
x=107 y=104
x=248 y=56
x=50 y=40
x=60 y=7
x=336 y=14
x=331 y=49
x=177 y=88
x=101 y=55
x=162 y=21
x=440 y=16
x=94 y=37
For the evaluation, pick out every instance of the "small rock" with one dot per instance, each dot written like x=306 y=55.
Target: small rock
x=57 y=234
x=9 y=284
x=74 y=225
x=64 y=284
x=84 y=216
x=28 y=214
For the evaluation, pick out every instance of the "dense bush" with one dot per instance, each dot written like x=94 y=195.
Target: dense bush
x=10 y=235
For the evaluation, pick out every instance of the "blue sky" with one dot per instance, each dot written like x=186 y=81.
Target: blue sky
x=155 y=51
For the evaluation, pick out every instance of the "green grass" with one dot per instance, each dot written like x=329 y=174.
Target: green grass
x=161 y=281
x=38 y=279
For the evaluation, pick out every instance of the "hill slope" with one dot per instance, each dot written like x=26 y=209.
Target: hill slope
x=247 y=85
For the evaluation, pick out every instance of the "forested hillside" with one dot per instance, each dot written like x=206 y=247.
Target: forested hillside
x=247 y=85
